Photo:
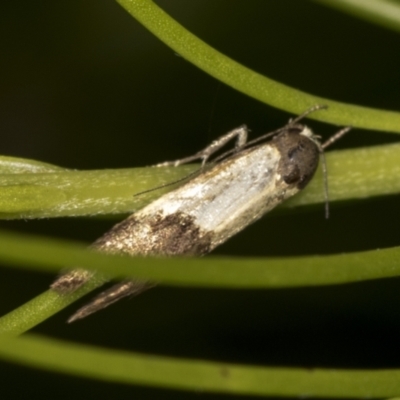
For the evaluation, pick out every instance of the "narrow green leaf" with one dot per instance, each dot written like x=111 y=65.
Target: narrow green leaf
x=71 y=193
x=249 y=82
x=196 y=375
x=40 y=308
x=352 y=174
x=31 y=252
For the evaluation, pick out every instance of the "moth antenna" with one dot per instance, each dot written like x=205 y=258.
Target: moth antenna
x=335 y=137
x=322 y=147
x=312 y=109
x=326 y=186
x=164 y=185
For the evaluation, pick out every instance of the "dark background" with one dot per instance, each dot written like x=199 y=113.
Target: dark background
x=83 y=85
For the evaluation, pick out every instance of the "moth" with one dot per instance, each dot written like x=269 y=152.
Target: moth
x=224 y=197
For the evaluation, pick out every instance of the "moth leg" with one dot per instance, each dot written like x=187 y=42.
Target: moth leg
x=110 y=296
x=239 y=133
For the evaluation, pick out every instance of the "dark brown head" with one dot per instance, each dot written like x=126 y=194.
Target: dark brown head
x=300 y=155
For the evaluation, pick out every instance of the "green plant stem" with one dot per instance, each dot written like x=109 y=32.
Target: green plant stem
x=58 y=193
x=34 y=253
x=31 y=252
x=41 y=308
x=196 y=375
x=352 y=174
x=249 y=82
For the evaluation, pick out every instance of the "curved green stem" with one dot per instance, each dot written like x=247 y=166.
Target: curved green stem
x=249 y=82
x=51 y=255
x=197 y=375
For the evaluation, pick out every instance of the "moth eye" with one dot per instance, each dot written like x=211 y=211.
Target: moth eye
x=293 y=176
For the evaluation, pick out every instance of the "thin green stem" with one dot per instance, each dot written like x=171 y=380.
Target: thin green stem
x=249 y=82
x=51 y=255
x=40 y=308
x=196 y=375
